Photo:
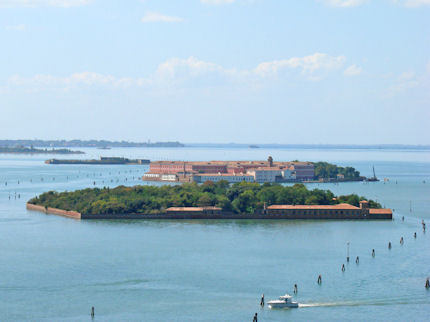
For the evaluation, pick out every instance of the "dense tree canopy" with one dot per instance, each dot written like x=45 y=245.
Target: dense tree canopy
x=241 y=197
x=326 y=170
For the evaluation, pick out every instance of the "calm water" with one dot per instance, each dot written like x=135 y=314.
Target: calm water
x=55 y=269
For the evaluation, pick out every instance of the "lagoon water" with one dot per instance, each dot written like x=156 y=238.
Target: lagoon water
x=54 y=268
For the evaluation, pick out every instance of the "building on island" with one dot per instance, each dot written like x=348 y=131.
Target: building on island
x=303 y=170
x=266 y=174
x=231 y=171
x=339 y=211
x=288 y=174
x=215 y=177
x=177 y=166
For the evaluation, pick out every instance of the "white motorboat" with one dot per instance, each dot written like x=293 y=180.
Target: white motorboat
x=283 y=302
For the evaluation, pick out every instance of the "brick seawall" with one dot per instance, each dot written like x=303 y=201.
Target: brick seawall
x=233 y=217
x=54 y=211
x=193 y=216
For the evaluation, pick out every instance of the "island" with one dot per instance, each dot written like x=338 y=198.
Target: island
x=32 y=150
x=209 y=200
x=324 y=171
x=102 y=161
x=250 y=171
x=90 y=144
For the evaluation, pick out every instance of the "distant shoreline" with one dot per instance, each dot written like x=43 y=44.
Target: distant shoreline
x=313 y=146
x=32 y=150
x=104 y=144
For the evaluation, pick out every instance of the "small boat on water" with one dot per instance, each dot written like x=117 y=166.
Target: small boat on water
x=283 y=302
x=374 y=178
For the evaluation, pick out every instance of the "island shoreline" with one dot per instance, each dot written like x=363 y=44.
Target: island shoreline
x=191 y=216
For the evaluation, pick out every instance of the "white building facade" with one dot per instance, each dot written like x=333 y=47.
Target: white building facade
x=216 y=177
x=262 y=175
x=288 y=174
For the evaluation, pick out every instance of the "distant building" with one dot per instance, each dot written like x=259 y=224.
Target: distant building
x=236 y=169
x=338 y=211
x=208 y=167
x=163 y=167
x=342 y=210
x=149 y=176
x=268 y=174
x=231 y=171
x=169 y=177
x=177 y=166
x=288 y=174
x=303 y=170
x=216 y=177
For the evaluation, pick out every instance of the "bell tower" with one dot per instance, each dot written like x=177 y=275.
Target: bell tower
x=270 y=160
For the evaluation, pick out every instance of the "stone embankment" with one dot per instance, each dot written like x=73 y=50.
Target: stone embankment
x=54 y=211
x=217 y=216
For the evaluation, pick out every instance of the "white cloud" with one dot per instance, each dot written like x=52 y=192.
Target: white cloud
x=180 y=71
x=353 y=70
x=176 y=68
x=157 y=17
x=307 y=64
x=16 y=27
x=402 y=85
x=43 y=3
x=408 y=80
x=344 y=3
x=217 y=2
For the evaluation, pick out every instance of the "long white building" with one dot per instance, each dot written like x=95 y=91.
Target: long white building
x=268 y=174
x=260 y=175
x=215 y=177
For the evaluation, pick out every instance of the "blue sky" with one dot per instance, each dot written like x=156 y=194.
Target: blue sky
x=263 y=71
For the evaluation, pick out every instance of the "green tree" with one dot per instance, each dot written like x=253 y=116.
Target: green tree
x=224 y=203
x=245 y=203
x=206 y=199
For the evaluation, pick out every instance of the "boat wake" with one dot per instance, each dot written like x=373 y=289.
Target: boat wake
x=361 y=303
x=321 y=304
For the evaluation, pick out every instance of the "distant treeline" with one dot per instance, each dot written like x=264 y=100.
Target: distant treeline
x=32 y=150
x=324 y=170
x=241 y=197
x=87 y=143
